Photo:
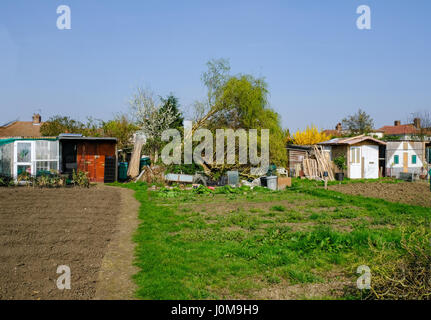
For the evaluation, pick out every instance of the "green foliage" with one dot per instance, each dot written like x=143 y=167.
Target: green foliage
x=171 y=102
x=80 y=179
x=50 y=179
x=243 y=104
x=184 y=168
x=202 y=190
x=341 y=162
x=358 y=123
x=390 y=138
x=121 y=128
x=60 y=124
x=6 y=181
x=278 y=208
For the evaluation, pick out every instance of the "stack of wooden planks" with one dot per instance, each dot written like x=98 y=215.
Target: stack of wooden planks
x=315 y=168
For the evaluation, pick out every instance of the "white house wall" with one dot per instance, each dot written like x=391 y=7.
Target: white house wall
x=397 y=148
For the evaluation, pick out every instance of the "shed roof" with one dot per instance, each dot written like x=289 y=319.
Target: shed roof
x=351 y=141
x=298 y=147
x=80 y=138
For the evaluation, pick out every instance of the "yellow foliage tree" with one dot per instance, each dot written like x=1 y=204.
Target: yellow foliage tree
x=309 y=136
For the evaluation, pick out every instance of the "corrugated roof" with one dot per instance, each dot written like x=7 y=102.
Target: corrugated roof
x=86 y=138
x=351 y=140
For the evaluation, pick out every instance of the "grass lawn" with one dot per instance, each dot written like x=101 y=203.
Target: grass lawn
x=304 y=242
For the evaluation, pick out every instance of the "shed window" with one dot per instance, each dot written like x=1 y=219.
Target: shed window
x=396 y=159
x=414 y=159
x=355 y=155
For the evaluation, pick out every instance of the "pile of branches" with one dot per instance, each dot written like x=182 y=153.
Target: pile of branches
x=408 y=277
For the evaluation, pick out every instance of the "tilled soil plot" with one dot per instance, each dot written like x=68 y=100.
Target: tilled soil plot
x=415 y=193
x=41 y=229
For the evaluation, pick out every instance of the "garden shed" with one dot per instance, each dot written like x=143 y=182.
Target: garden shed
x=94 y=155
x=363 y=155
x=63 y=154
x=31 y=155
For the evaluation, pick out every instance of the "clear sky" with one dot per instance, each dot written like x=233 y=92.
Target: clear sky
x=319 y=66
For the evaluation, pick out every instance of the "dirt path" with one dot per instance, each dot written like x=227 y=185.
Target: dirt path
x=415 y=193
x=115 y=275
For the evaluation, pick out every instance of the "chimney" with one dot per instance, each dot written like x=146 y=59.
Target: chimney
x=417 y=123
x=37 y=119
x=397 y=123
x=338 y=127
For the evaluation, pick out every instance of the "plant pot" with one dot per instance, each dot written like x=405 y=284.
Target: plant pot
x=339 y=176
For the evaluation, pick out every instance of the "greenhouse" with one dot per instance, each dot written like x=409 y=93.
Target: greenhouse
x=33 y=156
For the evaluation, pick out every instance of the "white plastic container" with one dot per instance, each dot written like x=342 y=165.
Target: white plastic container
x=271 y=182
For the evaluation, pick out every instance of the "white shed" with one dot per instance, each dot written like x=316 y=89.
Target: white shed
x=362 y=153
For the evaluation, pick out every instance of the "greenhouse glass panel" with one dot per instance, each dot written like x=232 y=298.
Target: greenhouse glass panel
x=6 y=159
x=24 y=152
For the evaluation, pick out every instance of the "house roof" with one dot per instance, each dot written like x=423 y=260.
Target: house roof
x=21 y=129
x=333 y=133
x=399 y=129
x=351 y=140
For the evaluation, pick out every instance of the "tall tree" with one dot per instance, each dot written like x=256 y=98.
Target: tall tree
x=243 y=104
x=358 y=123
x=171 y=103
x=152 y=116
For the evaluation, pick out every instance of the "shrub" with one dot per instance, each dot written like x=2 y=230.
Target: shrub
x=49 y=180
x=340 y=162
x=80 y=179
x=6 y=181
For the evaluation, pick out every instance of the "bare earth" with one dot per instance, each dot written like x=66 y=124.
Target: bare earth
x=415 y=193
x=81 y=228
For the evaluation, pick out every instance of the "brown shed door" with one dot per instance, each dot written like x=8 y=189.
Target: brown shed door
x=91 y=159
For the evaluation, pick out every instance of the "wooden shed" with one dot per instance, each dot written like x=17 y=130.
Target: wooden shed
x=94 y=155
x=295 y=155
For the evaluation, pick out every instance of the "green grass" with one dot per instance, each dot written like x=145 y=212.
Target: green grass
x=215 y=246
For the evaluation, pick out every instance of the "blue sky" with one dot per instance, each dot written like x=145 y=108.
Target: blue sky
x=318 y=65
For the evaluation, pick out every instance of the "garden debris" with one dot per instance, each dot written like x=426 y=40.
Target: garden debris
x=151 y=174
x=252 y=184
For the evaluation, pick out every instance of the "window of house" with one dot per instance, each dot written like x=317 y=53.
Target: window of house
x=396 y=159
x=414 y=159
